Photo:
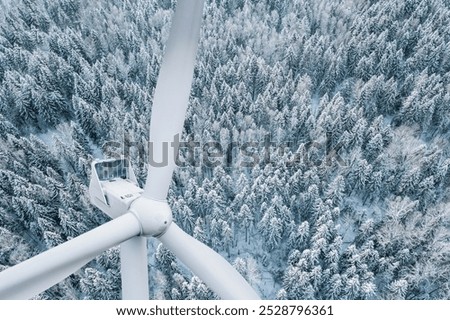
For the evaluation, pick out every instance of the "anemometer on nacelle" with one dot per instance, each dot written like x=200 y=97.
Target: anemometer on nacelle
x=113 y=186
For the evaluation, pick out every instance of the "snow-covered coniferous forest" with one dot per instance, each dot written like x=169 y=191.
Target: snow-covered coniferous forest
x=341 y=108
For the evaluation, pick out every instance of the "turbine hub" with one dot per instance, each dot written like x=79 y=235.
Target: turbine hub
x=155 y=216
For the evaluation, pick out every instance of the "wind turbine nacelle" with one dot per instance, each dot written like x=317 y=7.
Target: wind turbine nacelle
x=113 y=186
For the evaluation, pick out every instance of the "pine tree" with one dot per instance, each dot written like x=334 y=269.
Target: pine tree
x=245 y=217
x=336 y=191
x=199 y=233
x=98 y=286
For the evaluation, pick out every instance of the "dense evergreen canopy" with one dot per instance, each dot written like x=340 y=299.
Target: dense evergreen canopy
x=356 y=206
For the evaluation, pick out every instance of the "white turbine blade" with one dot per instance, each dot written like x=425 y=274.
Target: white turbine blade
x=172 y=96
x=39 y=273
x=208 y=265
x=134 y=269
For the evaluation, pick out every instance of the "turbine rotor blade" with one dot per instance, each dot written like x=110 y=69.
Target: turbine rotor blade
x=208 y=265
x=134 y=269
x=29 y=278
x=172 y=96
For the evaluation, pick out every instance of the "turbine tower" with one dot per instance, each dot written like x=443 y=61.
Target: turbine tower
x=140 y=213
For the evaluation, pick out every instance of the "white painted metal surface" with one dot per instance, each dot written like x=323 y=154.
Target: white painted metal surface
x=172 y=96
x=27 y=279
x=208 y=265
x=134 y=269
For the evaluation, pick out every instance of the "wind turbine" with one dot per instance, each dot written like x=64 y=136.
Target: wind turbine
x=138 y=213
